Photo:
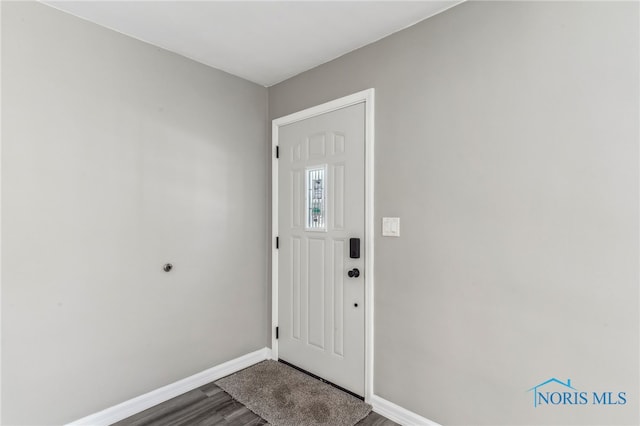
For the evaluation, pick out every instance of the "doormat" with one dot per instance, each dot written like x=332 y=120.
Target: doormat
x=284 y=396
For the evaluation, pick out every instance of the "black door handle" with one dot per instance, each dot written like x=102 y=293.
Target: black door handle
x=354 y=273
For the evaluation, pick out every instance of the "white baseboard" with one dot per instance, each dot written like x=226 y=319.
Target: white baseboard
x=133 y=406
x=398 y=414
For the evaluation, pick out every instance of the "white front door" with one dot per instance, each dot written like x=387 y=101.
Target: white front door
x=321 y=288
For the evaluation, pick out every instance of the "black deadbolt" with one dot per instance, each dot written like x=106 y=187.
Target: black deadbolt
x=354 y=273
x=354 y=248
x=167 y=267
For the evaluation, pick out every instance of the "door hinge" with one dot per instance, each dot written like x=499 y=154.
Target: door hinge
x=277 y=242
x=277 y=332
x=277 y=151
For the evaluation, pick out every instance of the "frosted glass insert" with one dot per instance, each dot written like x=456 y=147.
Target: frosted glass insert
x=316 y=199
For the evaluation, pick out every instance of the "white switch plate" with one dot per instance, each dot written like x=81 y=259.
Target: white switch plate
x=390 y=226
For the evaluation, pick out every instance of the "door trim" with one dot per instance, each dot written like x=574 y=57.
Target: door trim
x=366 y=97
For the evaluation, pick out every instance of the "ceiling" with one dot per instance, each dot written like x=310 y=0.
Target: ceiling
x=262 y=41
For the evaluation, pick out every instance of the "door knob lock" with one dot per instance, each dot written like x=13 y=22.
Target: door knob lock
x=354 y=273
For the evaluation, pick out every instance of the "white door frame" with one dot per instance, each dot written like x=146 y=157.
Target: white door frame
x=366 y=97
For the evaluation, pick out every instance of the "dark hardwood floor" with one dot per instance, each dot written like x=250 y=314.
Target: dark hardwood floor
x=208 y=406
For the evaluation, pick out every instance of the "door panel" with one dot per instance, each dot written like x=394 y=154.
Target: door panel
x=321 y=205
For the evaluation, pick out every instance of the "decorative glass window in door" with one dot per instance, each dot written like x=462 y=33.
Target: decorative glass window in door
x=316 y=199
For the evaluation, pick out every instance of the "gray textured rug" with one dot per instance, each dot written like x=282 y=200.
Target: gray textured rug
x=284 y=396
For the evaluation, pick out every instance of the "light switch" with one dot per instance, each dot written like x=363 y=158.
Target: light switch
x=390 y=226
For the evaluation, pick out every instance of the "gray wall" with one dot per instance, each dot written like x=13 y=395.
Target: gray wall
x=507 y=143
x=116 y=158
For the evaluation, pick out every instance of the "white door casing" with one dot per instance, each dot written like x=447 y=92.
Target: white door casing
x=325 y=317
